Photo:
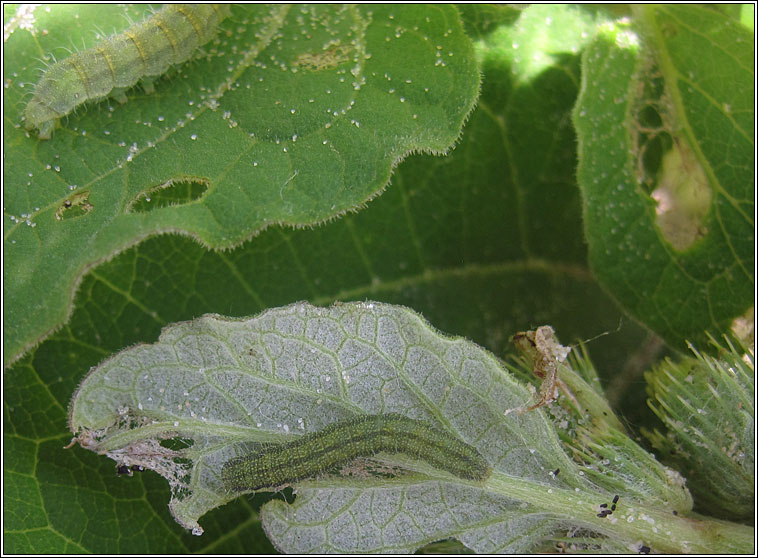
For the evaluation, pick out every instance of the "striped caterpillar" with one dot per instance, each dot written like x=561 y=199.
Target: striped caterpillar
x=317 y=453
x=144 y=50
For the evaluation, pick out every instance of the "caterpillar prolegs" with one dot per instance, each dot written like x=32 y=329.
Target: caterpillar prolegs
x=317 y=453
x=146 y=49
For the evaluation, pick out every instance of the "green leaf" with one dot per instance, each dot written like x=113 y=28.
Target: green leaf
x=484 y=242
x=294 y=115
x=216 y=383
x=747 y=16
x=216 y=387
x=665 y=126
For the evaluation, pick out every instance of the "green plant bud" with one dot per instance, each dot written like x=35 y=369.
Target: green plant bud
x=706 y=405
x=620 y=465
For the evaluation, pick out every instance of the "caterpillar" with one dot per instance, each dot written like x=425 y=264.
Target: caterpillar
x=144 y=50
x=314 y=454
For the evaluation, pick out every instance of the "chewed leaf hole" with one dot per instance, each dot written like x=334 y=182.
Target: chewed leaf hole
x=668 y=169
x=653 y=147
x=177 y=444
x=649 y=117
x=175 y=191
x=683 y=196
x=76 y=205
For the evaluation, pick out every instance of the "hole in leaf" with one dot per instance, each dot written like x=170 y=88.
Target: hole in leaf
x=76 y=205
x=743 y=327
x=177 y=443
x=668 y=169
x=652 y=149
x=175 y=191
x=683 y=194
x=649 y=117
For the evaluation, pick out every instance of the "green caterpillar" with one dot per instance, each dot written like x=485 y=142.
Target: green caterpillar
x=317 y=453
x=145 y=49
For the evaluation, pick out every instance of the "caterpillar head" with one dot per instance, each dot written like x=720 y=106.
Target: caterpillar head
x=59 y=90
x=38 y=115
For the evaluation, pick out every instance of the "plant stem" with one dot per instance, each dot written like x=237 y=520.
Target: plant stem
x=637 y=523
